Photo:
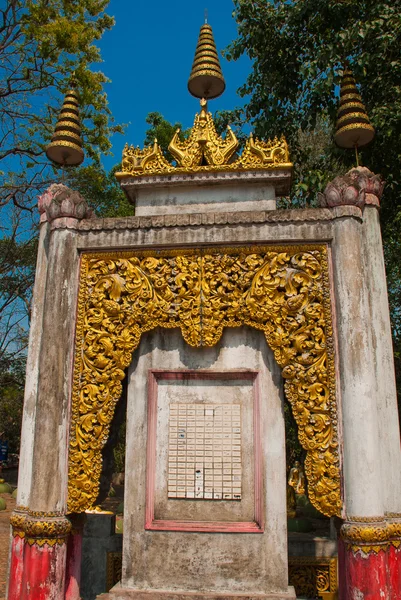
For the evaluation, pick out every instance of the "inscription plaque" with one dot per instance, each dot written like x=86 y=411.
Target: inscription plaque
x=204 y=451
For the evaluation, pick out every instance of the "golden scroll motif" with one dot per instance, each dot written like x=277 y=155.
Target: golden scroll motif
x=203 y=144
x=313 y=577
x=282 y=291
x=36 y=531
x=204 y=151
x=371 y=535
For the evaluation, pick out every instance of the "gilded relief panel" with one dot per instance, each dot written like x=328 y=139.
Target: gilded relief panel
x=282 y=290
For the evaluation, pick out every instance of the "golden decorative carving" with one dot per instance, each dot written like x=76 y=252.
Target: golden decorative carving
x=283 y=291
x=364 y=519
x=145 y=162
x=203 y=145
x=313 y=577
x=17 y=521
x=204 y=150
x=371 y=536
x=54 y=528
x=40 y=532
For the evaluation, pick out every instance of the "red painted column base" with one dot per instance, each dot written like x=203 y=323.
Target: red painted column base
x=394 y=571
x=44 y=572
x=16 y=568
x=38 y=556
x=369 y=557
x=366 y=576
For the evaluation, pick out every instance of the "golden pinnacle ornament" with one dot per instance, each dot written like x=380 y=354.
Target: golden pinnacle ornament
x=206 y=79
x=66 y=145
x=353 y=126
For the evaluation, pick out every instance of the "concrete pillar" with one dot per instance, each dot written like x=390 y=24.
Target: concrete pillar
x=41 y=522
x=379 y=318
x=32 y=369
x=369 y=559
x=386 y=393
x=357 y=381
x=29 y=414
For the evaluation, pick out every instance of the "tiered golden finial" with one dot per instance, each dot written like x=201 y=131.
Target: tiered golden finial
x=206 y=79
x=204 y=150
x=353 y=126
x=66 y=145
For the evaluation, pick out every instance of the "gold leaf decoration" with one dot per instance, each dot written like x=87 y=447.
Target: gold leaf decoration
x=205 y=151
x=283 y=291
x=313 y=577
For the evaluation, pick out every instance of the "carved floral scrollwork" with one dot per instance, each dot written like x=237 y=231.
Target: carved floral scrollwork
x=371 y=535
x=32 y=527
x=282 y=291
x=313 y=577
x=205 y=151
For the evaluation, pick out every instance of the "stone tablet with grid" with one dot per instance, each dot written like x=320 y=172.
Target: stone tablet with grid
x=204 y=457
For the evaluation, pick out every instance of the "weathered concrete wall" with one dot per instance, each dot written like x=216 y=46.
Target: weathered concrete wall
x=279 y=226
x=206 y=562
x=187 y=199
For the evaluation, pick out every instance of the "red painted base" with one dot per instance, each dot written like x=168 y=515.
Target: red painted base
x=43 y=574
x=394 y=564
x=16 y=568
x=369 y=576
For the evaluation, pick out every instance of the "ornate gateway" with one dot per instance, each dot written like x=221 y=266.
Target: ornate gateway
x=283 y=291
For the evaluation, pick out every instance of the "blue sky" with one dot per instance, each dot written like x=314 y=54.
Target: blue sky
x=148 y=56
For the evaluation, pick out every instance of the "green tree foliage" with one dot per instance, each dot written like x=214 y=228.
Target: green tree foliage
x=12 y=380
x=41 y=44
x=298 y=51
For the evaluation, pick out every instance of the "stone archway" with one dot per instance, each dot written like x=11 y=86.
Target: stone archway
x=282 y=290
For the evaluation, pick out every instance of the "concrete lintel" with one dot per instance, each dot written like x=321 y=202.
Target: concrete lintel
x=305 y=215
x=280 y=178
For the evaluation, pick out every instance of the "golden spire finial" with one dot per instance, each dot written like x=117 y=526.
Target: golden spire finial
x=66 y=145
x=353 y=126
x=206 y=79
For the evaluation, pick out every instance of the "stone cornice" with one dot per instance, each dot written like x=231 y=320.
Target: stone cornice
x=281 y=177
x=297 y=216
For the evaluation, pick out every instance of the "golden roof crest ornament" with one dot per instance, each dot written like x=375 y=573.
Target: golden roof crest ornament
x=205 y=150
x=204 y=146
